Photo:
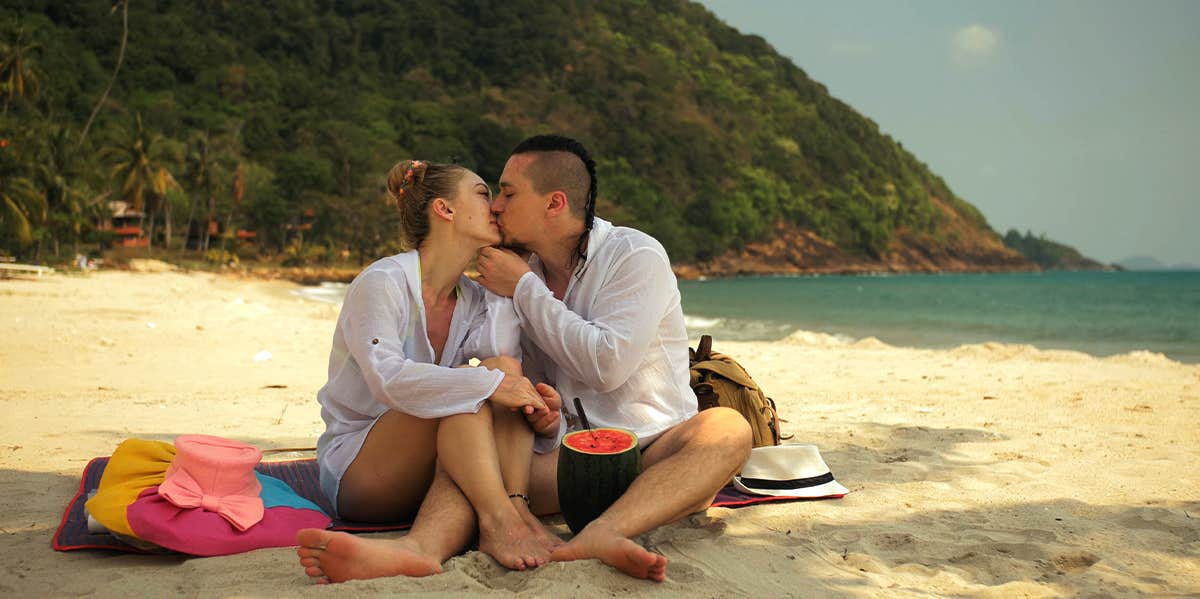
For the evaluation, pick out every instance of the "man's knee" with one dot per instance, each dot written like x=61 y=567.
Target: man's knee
x=728 y=428
x=505 y=364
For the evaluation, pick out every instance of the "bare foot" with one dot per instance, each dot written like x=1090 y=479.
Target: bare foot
x=512 y=543
x=329 y=556
x=549 y=540
x=596 y=542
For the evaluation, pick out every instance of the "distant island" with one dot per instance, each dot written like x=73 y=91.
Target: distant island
x=260 y=133
x=1152 y=263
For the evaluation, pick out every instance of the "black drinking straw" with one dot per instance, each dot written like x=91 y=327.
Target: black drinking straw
x=582 y=415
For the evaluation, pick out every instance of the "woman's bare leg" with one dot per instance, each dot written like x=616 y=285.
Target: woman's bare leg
x=391 y=474
x=443 y=527
x=467 y=450
x=388 y=479
x=514 y=447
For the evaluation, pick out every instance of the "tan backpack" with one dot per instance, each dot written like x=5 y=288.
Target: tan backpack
x=718 y=380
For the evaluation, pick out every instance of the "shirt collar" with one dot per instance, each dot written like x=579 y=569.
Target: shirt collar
x=600 y=231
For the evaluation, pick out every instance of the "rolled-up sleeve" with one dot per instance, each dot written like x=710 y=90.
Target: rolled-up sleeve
x=605 y=349
x=378 y=319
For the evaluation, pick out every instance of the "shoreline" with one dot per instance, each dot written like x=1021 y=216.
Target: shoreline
x=984 y=470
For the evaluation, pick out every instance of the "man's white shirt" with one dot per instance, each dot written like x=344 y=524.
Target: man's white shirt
x=617 y=339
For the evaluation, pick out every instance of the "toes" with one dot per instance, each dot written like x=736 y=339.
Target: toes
x=314 y=572
x=311 y=537
x=310 y=561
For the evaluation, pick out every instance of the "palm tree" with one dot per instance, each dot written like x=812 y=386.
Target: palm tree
x=19 y=76
x=201 y=174
x=62 y=175
x=237 y=192
x=140 y=170
x=20 y=201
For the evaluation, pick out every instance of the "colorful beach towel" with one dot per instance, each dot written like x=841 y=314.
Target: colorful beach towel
x=302 y=477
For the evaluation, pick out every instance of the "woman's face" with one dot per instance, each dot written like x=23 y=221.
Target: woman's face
x=473 y=211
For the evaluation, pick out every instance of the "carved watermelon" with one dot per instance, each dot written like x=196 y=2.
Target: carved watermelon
x=595 y=466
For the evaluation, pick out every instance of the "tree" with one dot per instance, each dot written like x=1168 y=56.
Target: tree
x=20 y=201
x=63 y=176
x=140 y=169
x=120 y=59
x=18 y=73
x=201 y=178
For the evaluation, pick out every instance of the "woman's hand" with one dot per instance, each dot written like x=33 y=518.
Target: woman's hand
x=517 y=393
x=546 y=423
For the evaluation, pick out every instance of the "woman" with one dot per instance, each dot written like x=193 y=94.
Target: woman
x=409 y=429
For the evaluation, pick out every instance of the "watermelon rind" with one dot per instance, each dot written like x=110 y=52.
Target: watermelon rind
x=590 y=482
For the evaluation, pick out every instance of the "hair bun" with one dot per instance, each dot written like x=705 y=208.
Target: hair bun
x=404 y=177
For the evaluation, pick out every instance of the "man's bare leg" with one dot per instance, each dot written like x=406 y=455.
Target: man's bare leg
x=685 y=468
x=443 y=527
x=467 y=450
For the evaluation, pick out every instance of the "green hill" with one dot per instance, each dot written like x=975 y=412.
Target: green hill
x=282 y=118
x=1048 y=254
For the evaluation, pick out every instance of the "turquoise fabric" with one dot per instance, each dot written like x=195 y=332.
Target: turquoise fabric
x=276 y=493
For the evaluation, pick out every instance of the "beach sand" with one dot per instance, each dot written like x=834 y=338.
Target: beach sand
x=986 y=470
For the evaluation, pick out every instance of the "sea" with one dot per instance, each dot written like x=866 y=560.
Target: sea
x=1099 y=313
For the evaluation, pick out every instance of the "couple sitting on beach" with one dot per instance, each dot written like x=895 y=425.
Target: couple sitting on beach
x=593 y=312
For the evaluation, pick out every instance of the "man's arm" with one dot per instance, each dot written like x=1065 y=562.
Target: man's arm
x=604 y=350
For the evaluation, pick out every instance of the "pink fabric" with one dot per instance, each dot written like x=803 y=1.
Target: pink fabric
x=215 y=475
x=197 y=532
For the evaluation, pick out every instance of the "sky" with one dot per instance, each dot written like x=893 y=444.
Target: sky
x=1079 y=120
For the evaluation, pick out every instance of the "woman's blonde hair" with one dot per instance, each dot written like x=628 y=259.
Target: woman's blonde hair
x=413 y=185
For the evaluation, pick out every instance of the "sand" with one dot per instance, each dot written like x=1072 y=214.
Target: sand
x=985 y=470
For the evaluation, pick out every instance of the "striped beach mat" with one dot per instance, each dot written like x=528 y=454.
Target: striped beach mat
x=302 y=477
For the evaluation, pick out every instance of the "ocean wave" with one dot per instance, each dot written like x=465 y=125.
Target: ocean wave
x=700 y=322
x=326 y=293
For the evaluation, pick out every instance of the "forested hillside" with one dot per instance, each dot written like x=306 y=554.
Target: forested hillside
x=1048 y=254
x=282 y=117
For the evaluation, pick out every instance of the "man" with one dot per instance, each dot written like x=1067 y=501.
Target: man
x=601 y=320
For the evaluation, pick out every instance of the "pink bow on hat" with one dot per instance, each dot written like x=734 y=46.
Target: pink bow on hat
x=215 y=475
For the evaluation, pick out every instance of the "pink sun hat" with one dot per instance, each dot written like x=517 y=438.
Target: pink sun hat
x=215 y=475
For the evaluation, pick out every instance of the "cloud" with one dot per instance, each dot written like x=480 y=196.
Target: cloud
x=851 y=49
x=973 y=45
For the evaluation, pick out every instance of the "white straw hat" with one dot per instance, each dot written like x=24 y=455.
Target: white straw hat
x=788 y=471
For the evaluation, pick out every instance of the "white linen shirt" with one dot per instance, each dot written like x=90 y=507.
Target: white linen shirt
x=382 y=358
x=617 y=339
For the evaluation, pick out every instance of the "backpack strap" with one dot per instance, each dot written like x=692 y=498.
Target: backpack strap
x=704 y=348
x=728 y=370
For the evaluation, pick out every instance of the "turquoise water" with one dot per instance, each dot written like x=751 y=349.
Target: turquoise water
x=1101 y=313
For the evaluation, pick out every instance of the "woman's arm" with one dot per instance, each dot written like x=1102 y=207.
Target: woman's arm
x=377 y=317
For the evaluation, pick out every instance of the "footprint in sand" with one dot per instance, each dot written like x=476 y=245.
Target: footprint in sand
x=1169 y=521
x=1070 y=563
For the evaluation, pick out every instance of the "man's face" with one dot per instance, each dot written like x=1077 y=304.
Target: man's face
x=518 y=207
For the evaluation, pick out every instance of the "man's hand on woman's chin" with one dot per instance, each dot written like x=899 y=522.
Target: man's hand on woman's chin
x=500 y=269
